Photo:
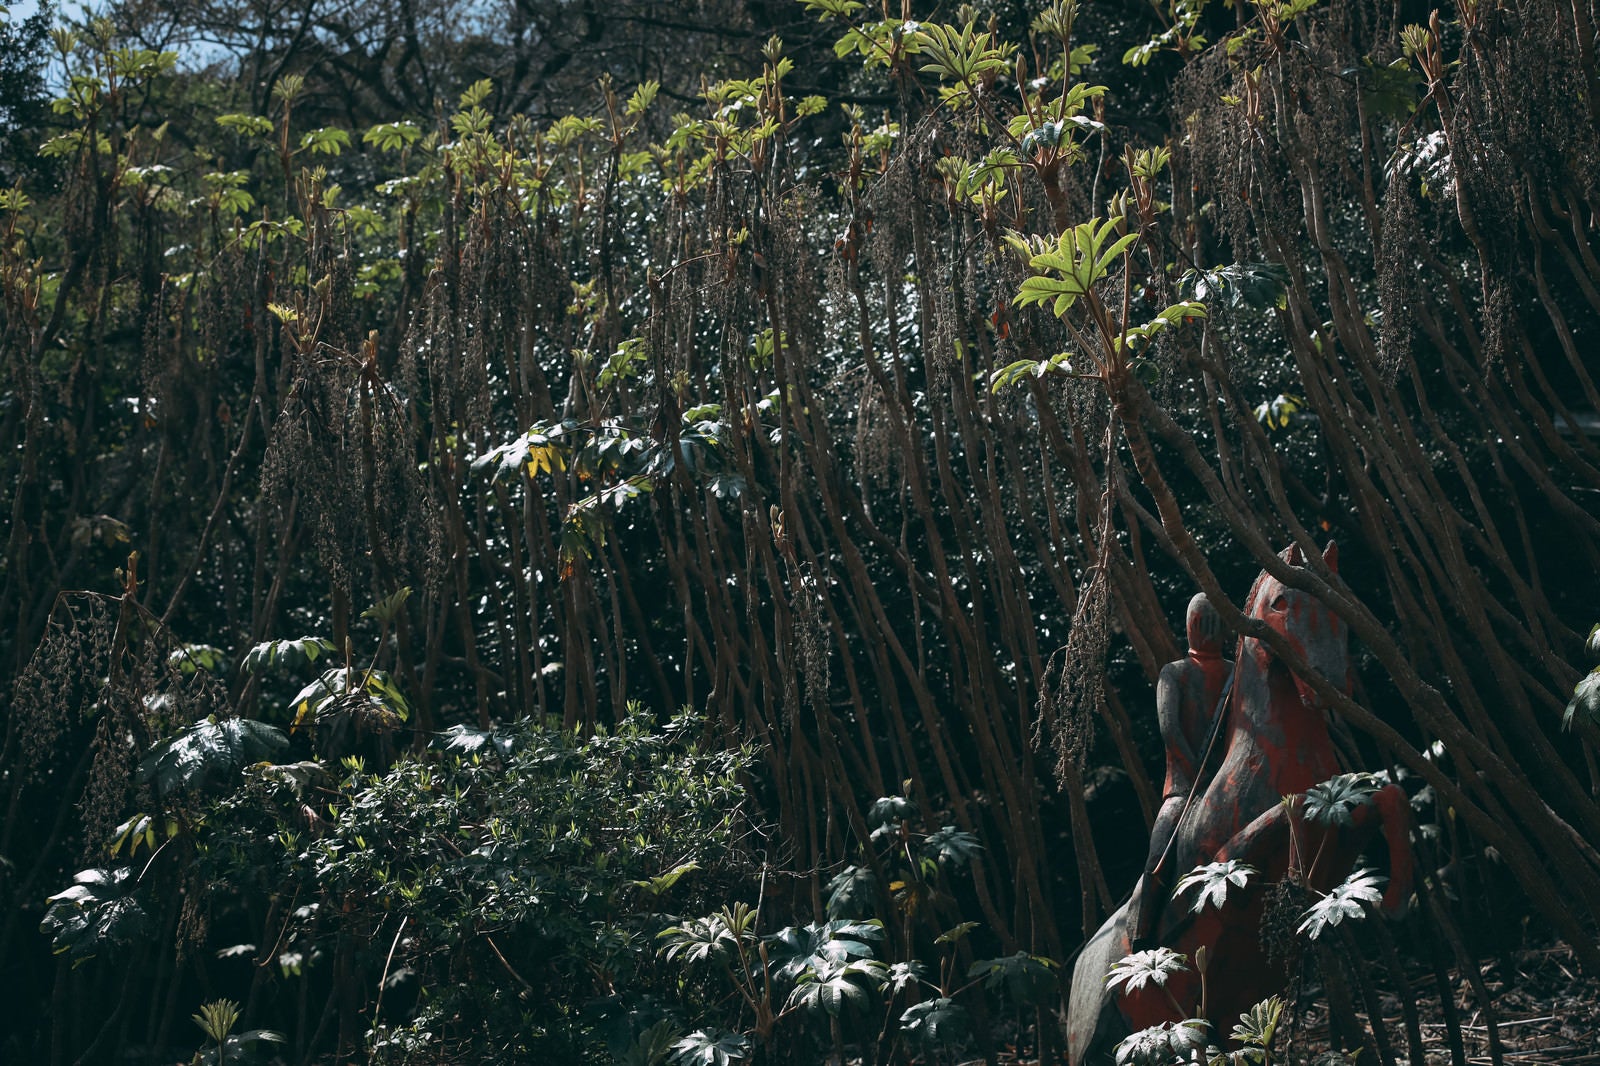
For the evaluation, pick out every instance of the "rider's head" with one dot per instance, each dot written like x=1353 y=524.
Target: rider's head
x=1205 y=626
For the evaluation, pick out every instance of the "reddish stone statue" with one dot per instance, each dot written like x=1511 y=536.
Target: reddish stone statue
x=1274 y=741
x=1187 y=697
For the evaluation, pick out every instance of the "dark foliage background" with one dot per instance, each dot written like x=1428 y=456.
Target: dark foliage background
x=518 y=361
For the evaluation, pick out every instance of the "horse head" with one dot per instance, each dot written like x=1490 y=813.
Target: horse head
x=1310 y=626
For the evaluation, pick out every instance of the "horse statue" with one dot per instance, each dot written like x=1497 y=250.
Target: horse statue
x=1276 y=743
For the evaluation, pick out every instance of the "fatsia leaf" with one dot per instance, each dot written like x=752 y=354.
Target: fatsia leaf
x=711 y=1047
x=1152 y=966
x=388 y=608
x=940 y=1022
x=950 y=845
x=1585 y=699
x=852 y=891
x=1346 y=900
x=903 y=975
x=1213 y=880
x=814 y=948
x=1163 y=1044
x=209 y=750
x=233 y=1047
x=463 y=739
x=1333 y=802
x=836 y=987
x=1258 y=1024
x=887 y=809
x=97 y=912
x=294 y=652
x=1026 y=978
x=712 y=938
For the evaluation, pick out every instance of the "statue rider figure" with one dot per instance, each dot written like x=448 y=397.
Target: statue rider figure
x=1187 y=695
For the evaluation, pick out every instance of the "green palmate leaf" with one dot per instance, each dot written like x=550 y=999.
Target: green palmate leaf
x=1080 y=259
x=1259 y=1024
x=217 y=1019
x=463 y=739
x=1213 y=881
x=962 y=56
x=298 y=652
x=234 y=1048
x=887 y=810
x=949 y=846
x=837 y=987
x=826 y=9
x=709 y=939
x=711 y=1047
x=901 y=976
x=1022 y=369
x=1153 y=966
x=246 y=125
x=1164 y=1044
x=652 y=1046
x=797 y=950
x=392 y=136
x=476 y=94
x=956 y=933
x=388 y=608
x=142 y=829
x=1025 y=978
x=940 y=1022
x=299 y=776
x=329 y=141
x=99 y=911
x=643 y=97
x=1253 y=285
x=698 y=940
x=1591 y=646
x=369 y=696
x=1278 y=413
x=192 y=658
x=1138 y=338
x=1333 y=802
x=208 y=751
x=1346 y=900
x=1585 y=698
x=853 y=890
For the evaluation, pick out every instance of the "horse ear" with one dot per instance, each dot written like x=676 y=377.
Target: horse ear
x=1330 y=555
x=1293 y=557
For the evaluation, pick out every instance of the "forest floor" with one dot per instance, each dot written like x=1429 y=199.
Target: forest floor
x=1542 y=1010
x=1545 y=1011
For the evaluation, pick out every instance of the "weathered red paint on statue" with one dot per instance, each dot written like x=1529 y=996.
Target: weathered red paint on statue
x=1187 y=696
x=1276 y=743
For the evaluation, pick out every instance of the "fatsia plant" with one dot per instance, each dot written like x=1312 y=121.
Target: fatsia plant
x=711 y=1047
x=217 y=1019
x=832 y=988
x=1166 y=1044
x=1256 y=1030
x=1027 y=979
x=203 y=754
x=100 y=910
